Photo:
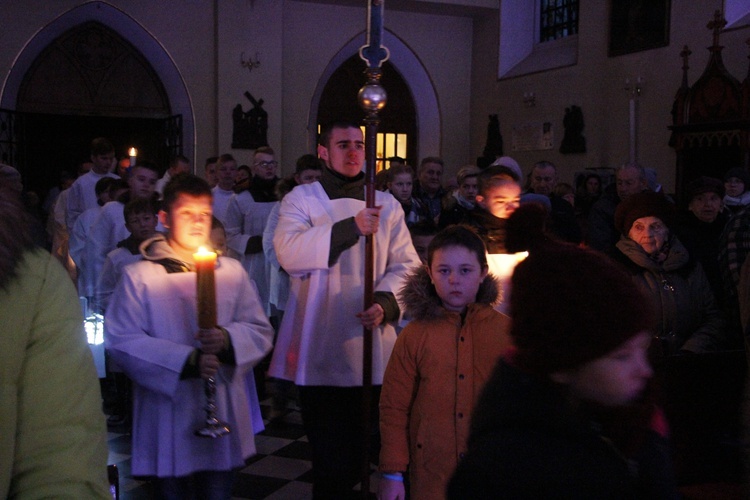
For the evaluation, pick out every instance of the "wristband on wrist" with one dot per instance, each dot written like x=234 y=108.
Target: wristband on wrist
x=393 y=476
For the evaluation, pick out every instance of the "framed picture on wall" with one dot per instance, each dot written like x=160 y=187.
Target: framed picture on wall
x=636 y=25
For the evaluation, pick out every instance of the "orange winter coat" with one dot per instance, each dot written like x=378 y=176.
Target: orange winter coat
x=433 y=379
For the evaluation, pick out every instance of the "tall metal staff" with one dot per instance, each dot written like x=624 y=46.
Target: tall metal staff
x=372 y=99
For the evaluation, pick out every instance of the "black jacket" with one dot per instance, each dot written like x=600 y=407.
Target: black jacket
x=528 y=442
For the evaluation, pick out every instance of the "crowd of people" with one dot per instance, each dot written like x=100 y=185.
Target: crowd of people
x=515 y=318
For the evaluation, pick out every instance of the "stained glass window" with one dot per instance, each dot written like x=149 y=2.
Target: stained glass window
x=558 y=19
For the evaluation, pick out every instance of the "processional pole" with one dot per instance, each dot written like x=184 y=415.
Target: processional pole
x=372 y=99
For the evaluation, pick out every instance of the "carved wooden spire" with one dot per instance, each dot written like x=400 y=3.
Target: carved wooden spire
x=685 y=54
x=717 y=25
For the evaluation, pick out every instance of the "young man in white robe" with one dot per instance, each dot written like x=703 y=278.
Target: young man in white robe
x=320 y=242
x=82 y=194
x=153 y=335
x=109 y=227
x=246 y=217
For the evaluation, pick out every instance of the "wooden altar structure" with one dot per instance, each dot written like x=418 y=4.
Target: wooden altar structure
x=711 y=118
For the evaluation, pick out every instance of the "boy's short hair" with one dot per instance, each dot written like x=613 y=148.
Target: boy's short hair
x=101 y=146
x=264 y=150
x=184 y=184
x=398 y=170
x=492 y=172
x=423 y=228
x=117 y=185
x=210 y=160
x=226 y=157
x=139 y=206
x=148 y=165
x=103 y=185
x=466 y=172
x=308 y=162
x=458 y=236
x=484 y=185
x=431 y=159
x=247 y=169
x=178 y=159
x=326 y=130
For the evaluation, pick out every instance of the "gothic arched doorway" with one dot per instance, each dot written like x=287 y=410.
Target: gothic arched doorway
x=417 y=87
x=397 y=132
x=86 y=83
x=91 y=71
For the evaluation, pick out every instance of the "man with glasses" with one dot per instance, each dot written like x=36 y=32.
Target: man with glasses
x=246 y=218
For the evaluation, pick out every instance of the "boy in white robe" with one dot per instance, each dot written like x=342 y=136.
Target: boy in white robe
x=109 y=227
x=246 y=217
x=140 y=221
x=153 y=334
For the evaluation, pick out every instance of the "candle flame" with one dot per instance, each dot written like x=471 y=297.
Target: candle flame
x=132 y=152
x=203 y=251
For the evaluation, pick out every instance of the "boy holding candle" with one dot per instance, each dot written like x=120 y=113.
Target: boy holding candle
x=153 y=334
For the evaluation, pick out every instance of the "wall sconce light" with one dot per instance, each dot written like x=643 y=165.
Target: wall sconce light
x=634 y=88
x=249 y=64
x=529 y=99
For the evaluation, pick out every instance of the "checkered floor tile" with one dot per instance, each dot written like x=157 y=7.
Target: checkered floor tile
x=281 y=470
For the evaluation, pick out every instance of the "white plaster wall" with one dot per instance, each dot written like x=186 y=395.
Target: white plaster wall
x=185 y=38
x=596 y=84
x=294 y=40
x=250 y=27
x=314 y=33
x=443 y=44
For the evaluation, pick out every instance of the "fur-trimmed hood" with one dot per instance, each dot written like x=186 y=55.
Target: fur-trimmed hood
x=422 y=302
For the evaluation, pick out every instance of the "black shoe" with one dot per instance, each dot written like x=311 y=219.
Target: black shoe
x=116 y=420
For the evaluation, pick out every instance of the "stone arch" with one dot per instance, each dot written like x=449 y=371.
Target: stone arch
x=429 y=125
x=129 y=29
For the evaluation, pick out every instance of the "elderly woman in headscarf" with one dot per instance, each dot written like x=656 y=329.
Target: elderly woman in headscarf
x=674 y=282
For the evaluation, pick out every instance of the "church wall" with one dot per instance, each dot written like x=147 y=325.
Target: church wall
x=250 y=30
x=183 y=29
x=294 y=41
x=314 y=33
x=597 y=84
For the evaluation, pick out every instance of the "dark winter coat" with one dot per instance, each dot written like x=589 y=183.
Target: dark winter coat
x=491 y=229
x=527 y=442
x=679 y=291
x=602 y=233
x=702 y=239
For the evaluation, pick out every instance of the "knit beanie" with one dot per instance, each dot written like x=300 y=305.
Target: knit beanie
x=511 y=164
x=644 y=204
x=704 y=184
x=570 y=306
x=741 y=174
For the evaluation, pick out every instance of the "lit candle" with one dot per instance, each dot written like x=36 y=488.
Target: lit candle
x=133 y=153
x=205 y=262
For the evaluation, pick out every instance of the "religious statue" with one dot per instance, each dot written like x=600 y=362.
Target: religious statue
x=573 y=139
x=250 y=127
x=493 y=148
